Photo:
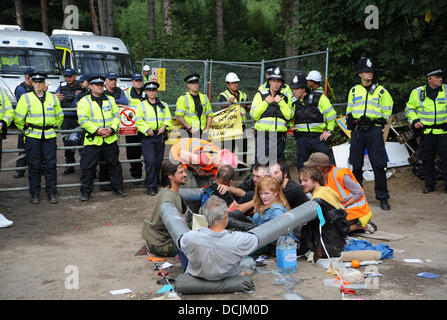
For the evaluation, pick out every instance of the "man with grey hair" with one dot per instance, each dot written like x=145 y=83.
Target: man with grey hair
x=215 y=253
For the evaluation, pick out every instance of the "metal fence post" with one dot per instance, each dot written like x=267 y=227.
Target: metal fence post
x=205 y=77
x=262 y=72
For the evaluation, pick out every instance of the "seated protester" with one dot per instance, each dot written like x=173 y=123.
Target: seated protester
x=269 y=201
x=351 y=193
x=158 y=240
x=214 y=253
x=336 y=227
x=224 y=177
x=292 y=191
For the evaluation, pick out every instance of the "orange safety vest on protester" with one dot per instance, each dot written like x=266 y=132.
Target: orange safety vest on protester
x=335 y=181
x=209 y=153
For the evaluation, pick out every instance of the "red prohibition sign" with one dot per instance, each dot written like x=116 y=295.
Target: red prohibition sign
x=132 y=122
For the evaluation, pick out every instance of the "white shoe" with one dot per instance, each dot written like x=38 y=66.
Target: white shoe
x=4 y=222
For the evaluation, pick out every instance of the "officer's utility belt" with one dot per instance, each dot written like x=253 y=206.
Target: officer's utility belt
x=30 y=125
x=437 y=126
x=307 y=134
x=364 y=123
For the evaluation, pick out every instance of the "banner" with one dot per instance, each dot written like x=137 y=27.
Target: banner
x=226 y=125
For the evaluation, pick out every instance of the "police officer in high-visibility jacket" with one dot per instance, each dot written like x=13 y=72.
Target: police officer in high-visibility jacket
x=285 y=88
x=38 y=115
x=271 y=110
x=427 y=111
x=369 y=108
x=66 y=94
x=314 y=120
x=99 y=116
x=234 y=95
x=135 y=95
x=193 y=109
x=6 y=117
x=153 y=120
x=146 y=74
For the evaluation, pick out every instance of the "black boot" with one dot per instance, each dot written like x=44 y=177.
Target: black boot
x=384 y=205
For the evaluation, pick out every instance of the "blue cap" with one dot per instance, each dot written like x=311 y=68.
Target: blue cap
x=83 y=77
x=69 y=72
x=111 y=75
x=137 y=76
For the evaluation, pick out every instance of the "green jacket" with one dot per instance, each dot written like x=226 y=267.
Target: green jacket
x=375 y=105
x=6 y=110
x=186 y=107
x=149 y=117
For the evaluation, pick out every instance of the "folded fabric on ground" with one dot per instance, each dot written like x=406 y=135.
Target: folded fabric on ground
x=354 y=244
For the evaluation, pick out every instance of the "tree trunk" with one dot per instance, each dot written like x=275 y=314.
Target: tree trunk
x=290 y=11
x=102 y=9
x=219 y=24
x=44 y=11
x=110 y=18
x=19 y=13
x=150 y=17
x=165 y=13
x=91 y=4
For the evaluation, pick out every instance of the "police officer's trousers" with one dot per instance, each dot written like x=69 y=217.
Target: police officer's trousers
x=69 y=123
x=89 y=159
x=372 y=140
x=136 y=168
x=153 y=149
x=41 y=153
x=430 y=145
x=270 y=147
x=306 y=144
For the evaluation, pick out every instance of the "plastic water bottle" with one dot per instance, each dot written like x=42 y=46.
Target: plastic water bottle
x=286 y=255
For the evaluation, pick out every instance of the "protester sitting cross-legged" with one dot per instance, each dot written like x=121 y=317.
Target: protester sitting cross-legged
x=335 y=228
x=158 y=240
x=215 y=253
x=351 y=193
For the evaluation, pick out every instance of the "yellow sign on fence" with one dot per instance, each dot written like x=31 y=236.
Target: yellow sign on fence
x=226 y=125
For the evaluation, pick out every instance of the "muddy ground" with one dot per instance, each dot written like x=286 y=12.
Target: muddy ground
x=101 y=237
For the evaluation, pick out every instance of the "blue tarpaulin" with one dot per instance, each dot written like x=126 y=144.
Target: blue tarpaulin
x=354 y=244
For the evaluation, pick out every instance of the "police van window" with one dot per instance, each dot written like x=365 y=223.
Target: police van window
x=86 y=62
x=18 y=60
x=67 y=61
x=89 y=62
x=119 y=63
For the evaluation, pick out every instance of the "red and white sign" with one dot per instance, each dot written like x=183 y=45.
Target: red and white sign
x=154 y=74
x=127 y=125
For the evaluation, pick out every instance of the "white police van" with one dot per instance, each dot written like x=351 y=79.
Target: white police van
x=87 y=53
x=21 y=50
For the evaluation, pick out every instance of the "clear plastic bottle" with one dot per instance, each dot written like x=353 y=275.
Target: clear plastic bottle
x=286 y=255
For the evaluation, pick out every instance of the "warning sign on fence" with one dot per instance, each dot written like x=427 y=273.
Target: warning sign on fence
x=159 y=75
x=127 y=125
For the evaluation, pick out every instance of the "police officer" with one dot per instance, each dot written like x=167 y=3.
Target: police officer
x=271 y=110
x=66 y=94
x=193 y=109
x=427 y=112
x=6 y=117
x=99 y=116
x=233 y=94
x=146 y=74
x=38 y=114
x=314 y=81
x=153 y=120
x=22 y=88
x=135 y=95
x=369 y=107
x=314 y=120
x=113 y=90
x=85 y=89
x=285 y=88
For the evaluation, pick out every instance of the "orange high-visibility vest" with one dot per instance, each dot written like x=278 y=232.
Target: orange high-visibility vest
x=335 y=181
x=198 y=146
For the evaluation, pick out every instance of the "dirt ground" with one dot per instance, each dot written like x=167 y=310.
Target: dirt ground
x=101 y=237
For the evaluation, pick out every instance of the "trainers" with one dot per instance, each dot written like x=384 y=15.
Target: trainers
x=35 y=199
x=120 y=193
x=370 y=228
x=150 y=191
x=4 y=223
x=52 y=198
x=85 y=197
